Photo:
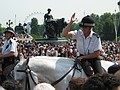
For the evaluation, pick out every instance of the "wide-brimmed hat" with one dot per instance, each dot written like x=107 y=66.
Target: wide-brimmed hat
x=87 y=21
x=10 y=30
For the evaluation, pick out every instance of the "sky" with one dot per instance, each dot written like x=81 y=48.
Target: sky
x=20 y=11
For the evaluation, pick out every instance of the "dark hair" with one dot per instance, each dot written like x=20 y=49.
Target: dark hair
x=12 y=85
x=101 y=82
x=76 y=83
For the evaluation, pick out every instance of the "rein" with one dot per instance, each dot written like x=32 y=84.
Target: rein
x=73 y=67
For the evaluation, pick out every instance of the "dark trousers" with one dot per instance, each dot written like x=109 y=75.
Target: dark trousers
x=95 y=64
x=6 y=62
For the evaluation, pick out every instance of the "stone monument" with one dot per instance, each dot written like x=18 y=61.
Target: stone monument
x=52 y=29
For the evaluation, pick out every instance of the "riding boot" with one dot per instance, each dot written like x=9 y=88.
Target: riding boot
x=87 y=68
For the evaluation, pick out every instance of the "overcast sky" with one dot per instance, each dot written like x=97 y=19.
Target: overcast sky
x=20 y=11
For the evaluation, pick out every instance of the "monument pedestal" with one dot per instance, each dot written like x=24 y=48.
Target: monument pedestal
x=52 y=40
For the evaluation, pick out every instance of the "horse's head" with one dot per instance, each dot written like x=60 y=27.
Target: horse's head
x=20 y=66
x=22 y=70
x=61 y=23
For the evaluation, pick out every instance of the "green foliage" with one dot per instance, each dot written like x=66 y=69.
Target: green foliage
x=74 y=26
x=35 y=36
x=34 y=26
x=41 y=29
x=105 y=26
x=2 y=29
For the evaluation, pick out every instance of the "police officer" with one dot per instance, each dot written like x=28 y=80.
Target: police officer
x=9 y=50
x=88 y=44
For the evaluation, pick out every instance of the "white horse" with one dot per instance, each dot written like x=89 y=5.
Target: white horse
x=50 y=69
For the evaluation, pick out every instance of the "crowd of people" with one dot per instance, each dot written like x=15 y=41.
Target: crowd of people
x=103 y=81
x=111 y=51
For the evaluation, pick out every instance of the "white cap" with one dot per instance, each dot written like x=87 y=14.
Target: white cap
x=44 y=86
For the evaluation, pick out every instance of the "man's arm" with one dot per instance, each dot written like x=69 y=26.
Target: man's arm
x=7 y=55
x=66 y=32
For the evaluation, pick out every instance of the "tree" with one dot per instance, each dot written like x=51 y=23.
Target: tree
x=104 y=26
x=98 y=25
x=2 y=29
x=41 y=30
x=34 y=26
x=75 y=26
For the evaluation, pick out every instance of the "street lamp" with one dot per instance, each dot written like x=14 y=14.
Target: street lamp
x=116 y=22
x=9 y=23
x=115 y=25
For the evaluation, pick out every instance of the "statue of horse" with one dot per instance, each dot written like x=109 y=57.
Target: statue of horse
x=54 y=28
x=20 y=29
x=54 y=70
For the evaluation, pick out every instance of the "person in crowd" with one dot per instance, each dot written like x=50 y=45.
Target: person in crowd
x=12 y=85
x=117 y=74
x=102 y=82
x=9 y=50
x=44 y=86
x=114 y=68
x=88 y=44
x=76 y=83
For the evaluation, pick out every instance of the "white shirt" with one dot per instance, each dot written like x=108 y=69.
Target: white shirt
x=89 y=45
x=12 y=46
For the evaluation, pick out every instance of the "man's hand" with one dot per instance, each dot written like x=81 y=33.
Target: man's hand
x=81 y=57
x=73 y=18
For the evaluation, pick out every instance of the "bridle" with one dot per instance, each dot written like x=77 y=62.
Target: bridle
x=27 y=71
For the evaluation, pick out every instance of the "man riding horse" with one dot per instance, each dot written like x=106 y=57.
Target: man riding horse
x=88 y=44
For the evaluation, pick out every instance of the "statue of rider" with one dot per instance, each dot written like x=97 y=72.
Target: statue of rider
x=48 y=23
